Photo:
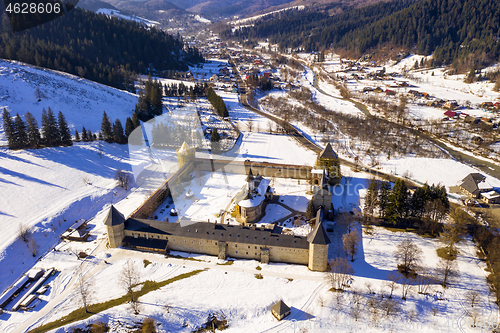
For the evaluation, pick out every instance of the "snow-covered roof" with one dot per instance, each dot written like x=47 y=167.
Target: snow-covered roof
x=491 y=195
x=256 y=200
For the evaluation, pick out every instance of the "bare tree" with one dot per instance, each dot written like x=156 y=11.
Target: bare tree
x=340 y=272
x=406 y=286
x=369 y=287
x=356 y=311
x=391 y=283
x=250 y=124
x=473 y=297
x=351 y=241
x=455 y=231
x=374 y=305
x=473 y=315
x=408 y=254
x=423 y=282
x=129 y=278
x=24 y=232
x=446 y=270
x=32 y=246
x=84 y=288
x=123 y=179
x=390 y=306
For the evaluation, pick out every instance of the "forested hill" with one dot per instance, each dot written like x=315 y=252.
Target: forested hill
x=456 y=31
x=96 y=47
x=314 y=29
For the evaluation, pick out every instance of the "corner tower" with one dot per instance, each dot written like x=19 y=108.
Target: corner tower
x=115 y=226
x=318 y=245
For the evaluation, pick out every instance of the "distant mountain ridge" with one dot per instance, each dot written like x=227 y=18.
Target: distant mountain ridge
x=457 y=32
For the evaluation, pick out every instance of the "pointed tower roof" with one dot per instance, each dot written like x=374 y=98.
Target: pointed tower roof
x=319 y=235
x=328 y=152
x=280 y=308
x=250 y=176
x=184 y=149
x=114 y=217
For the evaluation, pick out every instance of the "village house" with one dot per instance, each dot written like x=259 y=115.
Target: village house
x=474 y=184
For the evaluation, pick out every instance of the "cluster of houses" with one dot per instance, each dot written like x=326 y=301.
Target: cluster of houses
x=475 y=186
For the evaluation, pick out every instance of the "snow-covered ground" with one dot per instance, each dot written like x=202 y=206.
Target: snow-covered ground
x=245 y=300
x=81 y=101
x=331 y=103
x=433 y=171
x=117 y=14
x=48 y=190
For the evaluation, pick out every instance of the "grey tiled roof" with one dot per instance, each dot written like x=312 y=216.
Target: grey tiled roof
x=328 y=152
x=469 y=183
x=319 y=235
x=218 y=232
x=114 y=217
x=280 y=308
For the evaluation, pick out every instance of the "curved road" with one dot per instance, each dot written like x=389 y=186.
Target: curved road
x=305 y=142
x=487 y=167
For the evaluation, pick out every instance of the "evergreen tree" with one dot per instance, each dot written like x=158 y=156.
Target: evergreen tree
x=85 y=138
x=310 y=211
x=106 y=130
x=383 y=197
x=397 y=202
x=34 y=138
x=215 y=137
x=64 y=133
x=77 y=136
x=135 y=120
x=20 y=135
x=129 y=127
x=371 y=198
x=215 y=141
x=8 y=128
x=50 y=129
x=417 y=202
x=118 y=135
x=90 y=136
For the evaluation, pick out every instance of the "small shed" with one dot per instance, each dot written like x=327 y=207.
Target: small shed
x=280 y=310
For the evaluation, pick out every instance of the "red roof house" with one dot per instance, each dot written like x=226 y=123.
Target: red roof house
x=450 y=114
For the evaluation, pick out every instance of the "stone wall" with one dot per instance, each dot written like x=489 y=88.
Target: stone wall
x=318 y=257
x=234 y=250
x=266 y=170
x=151 y=204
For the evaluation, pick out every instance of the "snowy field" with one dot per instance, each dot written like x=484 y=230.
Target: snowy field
x=81 y=101
x=333 y=102
x=46 y=190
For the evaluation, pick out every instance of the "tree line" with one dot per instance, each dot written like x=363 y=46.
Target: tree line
x=217 y=102
x=181 y=90
x=96 y=47
x=55 y=132
x=427 y=206
x=26 y=134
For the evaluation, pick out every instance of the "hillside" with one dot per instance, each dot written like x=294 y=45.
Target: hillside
x=96 y=47
x=453 y=30
x=80 y=100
